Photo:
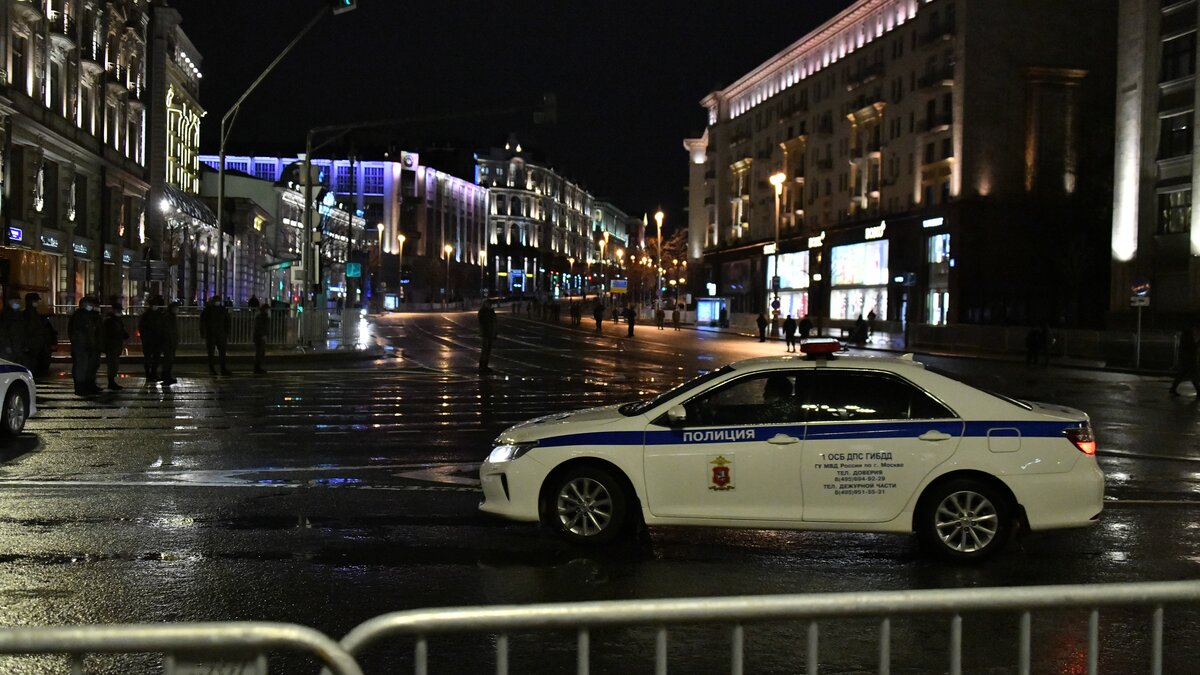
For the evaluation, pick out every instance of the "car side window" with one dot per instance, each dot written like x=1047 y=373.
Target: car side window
x=763 y=398
x=847 y=396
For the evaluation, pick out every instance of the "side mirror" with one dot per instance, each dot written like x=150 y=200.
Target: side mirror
x=677 y=415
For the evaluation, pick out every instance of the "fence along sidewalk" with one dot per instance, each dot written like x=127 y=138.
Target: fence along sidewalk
x=580 y=617
x=219 y=647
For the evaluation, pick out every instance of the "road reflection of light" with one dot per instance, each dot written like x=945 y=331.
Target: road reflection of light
x=1116 y=556
x=1117 y=477
x=173 y=521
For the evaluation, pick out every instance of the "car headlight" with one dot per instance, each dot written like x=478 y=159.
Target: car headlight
x=509 y=452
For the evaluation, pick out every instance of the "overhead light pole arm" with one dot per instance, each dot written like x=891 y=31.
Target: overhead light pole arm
x=227 y=127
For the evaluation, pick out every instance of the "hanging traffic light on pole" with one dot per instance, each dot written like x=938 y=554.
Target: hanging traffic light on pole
x=343 y=6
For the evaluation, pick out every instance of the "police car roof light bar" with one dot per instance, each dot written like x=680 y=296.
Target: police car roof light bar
x=820 y=348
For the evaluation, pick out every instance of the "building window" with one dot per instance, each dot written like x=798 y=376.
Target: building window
x=342 y=182
x=939 y=248
x=264 y=171
x=1179 y=57
x=1174 y=212
x=1176 y=137
x=373 y=180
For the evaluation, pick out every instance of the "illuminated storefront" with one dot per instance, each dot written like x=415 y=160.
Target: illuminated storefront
x=937 y=297
x=859 y=280
x=794 y=279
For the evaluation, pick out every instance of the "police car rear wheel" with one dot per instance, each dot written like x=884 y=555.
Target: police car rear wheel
x=16 y=411
x=965 y=520
x=590 y=506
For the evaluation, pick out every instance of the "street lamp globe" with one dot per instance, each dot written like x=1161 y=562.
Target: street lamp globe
x=448 y=249
x=777 y=180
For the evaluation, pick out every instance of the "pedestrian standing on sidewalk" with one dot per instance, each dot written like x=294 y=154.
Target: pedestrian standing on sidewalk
x=789 y=332
x=598 y=315
x=40 y=336
x=83 y=329
x=805 y=327
x=1035 y=342
x=114 y=336
x=150 y=330
x=487 y=333
x=660 y=316
x=762 y=327
x=630 y=318
x=169 y=341
x=214 y=328
x=262 y=326
x=675 y=318
x=1187 y=363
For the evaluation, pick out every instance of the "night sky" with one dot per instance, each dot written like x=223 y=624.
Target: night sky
x=628 y=75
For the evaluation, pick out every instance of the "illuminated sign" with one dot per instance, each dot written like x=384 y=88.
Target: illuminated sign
x=79 y=248
x=49 y=241
x=877 y=231
x=817 y=241
x=108 y=254
x=769 y=249
x=16 y=234
x=933 y=222
x=353 y=270
x=126 y=258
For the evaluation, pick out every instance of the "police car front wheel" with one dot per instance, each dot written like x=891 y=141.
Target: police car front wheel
x=965 y=520
x=590 y=505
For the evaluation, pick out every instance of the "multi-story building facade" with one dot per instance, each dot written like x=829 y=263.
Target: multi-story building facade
x=72 y=116
x=1155 y=236
x=541 y=223
x=919 y=159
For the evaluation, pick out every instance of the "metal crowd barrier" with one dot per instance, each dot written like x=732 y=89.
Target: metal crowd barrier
x=188 y=647
x=581 y=617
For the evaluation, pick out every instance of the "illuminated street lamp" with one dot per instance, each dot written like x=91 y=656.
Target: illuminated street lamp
x=446 y=292
x=658 y=218
x=777 y=180
x=570 y=276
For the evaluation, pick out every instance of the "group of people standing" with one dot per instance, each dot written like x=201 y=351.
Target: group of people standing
x=791 y=329
x=26 y=335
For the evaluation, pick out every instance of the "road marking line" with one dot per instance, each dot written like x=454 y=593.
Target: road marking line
x=1134 y=455
x=1153 y=502
x=69 y=484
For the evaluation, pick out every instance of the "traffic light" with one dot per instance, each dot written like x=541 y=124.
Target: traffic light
x=343 y=6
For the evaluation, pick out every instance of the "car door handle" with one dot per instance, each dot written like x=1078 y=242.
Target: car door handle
x=782 y=439
x=933 y=435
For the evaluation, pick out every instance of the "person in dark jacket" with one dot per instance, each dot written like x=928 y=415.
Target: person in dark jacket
x=168 y=341
x=12 y=333
x=762 y=327
x=630 y=318
x=262 y=327
x=150 y=330
x=805 y=327
x=40 y=336
x=214 y=328
x=83 y=328
x=1187 y=362
x=487 y=333
x=113 y=336
x=789 y=332
x=598 y=315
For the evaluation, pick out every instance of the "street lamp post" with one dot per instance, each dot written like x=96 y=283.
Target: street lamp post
x=446 y=292
x=658 y=218
x=570 y=277
x=776 y=180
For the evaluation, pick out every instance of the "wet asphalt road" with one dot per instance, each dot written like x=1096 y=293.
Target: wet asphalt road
x=325 y=495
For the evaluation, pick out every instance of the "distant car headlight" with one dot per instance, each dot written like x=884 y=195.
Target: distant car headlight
x=509 y=452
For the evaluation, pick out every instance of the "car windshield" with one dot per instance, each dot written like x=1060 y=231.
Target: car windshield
x=639 y=407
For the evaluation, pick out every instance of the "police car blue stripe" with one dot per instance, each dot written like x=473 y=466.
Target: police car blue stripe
x=818 y=432
x=10 y=368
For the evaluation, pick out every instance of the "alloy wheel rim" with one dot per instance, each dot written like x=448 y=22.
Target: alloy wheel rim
x=585 y=508
x=966 y=521
x=16 y=413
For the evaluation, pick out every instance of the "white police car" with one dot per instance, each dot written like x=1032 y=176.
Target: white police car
x=20 y=396
x=852 y=444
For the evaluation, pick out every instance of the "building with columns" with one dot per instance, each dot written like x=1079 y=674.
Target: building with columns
x=931 y=161
x=73 y=96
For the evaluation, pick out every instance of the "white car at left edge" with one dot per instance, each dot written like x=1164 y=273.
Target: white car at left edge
x=20 y=397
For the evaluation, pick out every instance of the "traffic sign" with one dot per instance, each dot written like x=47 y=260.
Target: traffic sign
x=620 y=285
x=1139 y=301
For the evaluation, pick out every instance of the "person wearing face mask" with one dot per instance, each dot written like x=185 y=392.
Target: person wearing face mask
x=12 y=333
x=84 y=330
x=40 y=336
x=114 y=336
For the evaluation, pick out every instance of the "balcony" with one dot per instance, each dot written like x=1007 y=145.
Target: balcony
x=91 y=54
x=937 y=122
x=116 y=79
x=62 y=30
x=30 y=10
x=798 y=175
x=864 y=75
x=937 y=34
x=943 y=77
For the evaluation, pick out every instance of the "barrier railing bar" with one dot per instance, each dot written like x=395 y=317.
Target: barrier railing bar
x=502 y=655
x=166 y=638
x=737 y=637
x=885 y=646
x=956 y=645
x=814 y=638
x=77 y=664
x=422 y=656
x=584 y=657
x=1094 y=642
x=1025 y=656
x=1156 y=641
x=660 y=652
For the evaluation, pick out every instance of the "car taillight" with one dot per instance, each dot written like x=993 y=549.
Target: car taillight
x=1084 y=439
